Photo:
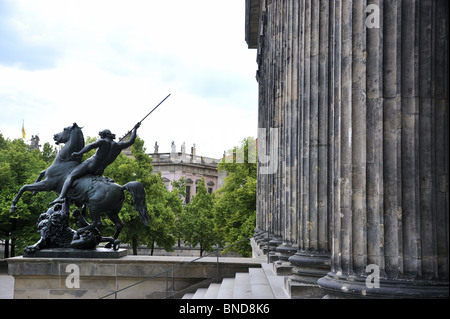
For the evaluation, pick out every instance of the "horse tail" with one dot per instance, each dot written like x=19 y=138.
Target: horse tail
x=138 y=193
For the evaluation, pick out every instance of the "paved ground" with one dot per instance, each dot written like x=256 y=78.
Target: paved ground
x=6 y=282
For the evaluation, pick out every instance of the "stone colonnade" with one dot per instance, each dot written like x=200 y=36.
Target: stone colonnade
x=353 y=97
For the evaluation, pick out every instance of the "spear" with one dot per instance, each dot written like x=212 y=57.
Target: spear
x=145 y=117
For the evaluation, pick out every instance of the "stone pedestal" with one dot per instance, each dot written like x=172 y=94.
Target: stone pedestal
x=77 y=253
x=94 y=278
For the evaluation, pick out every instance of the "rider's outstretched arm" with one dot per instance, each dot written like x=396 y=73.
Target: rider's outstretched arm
x=89 y=147
x=130 y=142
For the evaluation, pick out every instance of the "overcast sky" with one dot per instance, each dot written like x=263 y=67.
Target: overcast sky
x=106 y=64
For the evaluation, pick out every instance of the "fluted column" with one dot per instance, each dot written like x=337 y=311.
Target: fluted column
x=276 y=123
x=390 y=221
x=358 y=91
x=293 y=75
x=291 y=60
x=312 y=259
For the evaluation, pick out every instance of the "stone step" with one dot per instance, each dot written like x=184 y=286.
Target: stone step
x=187 y=296
x=276 y=282
x=257 y=283
x=260 y=285
x=226 y=290
x=212 y=292
x=200 y=293
x=242 y=286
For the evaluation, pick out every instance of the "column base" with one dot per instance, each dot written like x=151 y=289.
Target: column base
x=273 y=244
x=308 y=267
x=285 y=251
x=283 y=267
x=299 y=290
x=355 y=287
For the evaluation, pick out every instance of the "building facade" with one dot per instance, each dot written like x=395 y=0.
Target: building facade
x=175 y=165
x=357 y=92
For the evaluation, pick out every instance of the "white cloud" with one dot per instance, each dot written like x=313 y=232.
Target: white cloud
x=110 y=62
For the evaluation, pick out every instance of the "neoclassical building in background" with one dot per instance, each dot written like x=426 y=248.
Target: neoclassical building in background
x=357 y=92
x=175 y=165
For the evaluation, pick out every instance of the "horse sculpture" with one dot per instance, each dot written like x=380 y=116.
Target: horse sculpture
x=99 y=194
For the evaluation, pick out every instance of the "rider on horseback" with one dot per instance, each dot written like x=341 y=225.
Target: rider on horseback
x=107 y=152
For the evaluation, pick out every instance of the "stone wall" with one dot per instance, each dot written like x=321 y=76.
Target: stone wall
x=49 y=278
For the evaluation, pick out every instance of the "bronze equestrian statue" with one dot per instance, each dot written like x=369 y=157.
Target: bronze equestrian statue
x=82 y=182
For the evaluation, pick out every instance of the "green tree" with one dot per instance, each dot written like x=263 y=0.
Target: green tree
x=19 y=166
x=235 y=202
x=197 y=220
x=163 y=208
x=48 y=153
x=179 y=190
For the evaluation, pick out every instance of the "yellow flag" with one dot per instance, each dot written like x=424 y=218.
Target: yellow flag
x=23 y=131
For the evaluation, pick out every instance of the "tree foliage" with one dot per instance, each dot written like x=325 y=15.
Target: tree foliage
x=19 y=165
x=228 y=216
x=235 y=203
x=197 y=220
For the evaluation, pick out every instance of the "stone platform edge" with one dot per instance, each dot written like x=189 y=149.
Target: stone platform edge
x=77 y=253
x=47 y=278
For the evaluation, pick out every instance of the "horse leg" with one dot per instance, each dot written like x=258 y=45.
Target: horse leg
x=117 y=222
x=36 y=187
x=96 y=222
x=114 y=217
x=40 y=177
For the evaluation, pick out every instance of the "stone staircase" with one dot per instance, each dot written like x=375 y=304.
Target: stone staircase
x=257 y=283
